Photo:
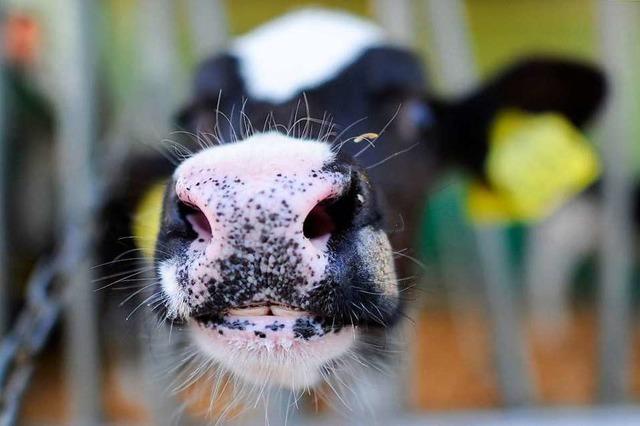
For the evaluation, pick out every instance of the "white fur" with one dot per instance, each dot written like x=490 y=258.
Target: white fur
x=301 y=50
x=176 y=299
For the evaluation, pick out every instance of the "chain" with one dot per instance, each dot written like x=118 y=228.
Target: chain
x=27 y=338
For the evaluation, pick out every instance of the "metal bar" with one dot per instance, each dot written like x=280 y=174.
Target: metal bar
x=617 y=39
x=397 y=18
x=388 y=396
x=514 y=370
x=451 y=44
x=163 y=81
x=458 y=72
x=554 y=247
x=594 y=416
x=459 y=271
x=158 y=71
x=4 y=271
x=163 y=406
x=76 y=70
x=208 y=19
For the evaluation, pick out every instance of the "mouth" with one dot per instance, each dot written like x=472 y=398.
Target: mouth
x=276 y=324
x=272 y=342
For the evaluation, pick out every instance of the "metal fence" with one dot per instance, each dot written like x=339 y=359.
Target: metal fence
x=60 y=285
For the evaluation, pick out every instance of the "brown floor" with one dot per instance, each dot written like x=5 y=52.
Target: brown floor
x=455 y=371
x=452 y=370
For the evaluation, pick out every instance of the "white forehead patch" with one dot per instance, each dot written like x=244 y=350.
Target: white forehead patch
x=301 y=50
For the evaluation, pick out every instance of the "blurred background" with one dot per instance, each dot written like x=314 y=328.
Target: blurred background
x=538 y=316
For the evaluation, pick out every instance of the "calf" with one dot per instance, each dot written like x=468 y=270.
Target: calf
x=274 y=253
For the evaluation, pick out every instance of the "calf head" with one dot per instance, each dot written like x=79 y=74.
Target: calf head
x=274 y=248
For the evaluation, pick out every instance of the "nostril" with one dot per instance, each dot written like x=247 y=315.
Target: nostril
x=330 y=217
x=337 y=216
x=197 y=219
x=319 y=223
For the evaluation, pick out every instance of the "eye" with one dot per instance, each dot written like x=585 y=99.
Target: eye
x=420 y=115
x=196 y=218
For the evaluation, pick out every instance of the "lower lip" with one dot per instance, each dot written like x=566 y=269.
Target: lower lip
x=275 y=329
x=272 y=347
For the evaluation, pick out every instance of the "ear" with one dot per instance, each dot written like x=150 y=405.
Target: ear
x=575 y=90
x=217 y=84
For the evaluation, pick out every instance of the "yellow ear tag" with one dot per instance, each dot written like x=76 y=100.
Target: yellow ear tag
x=146 y=220
x=535 y=163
